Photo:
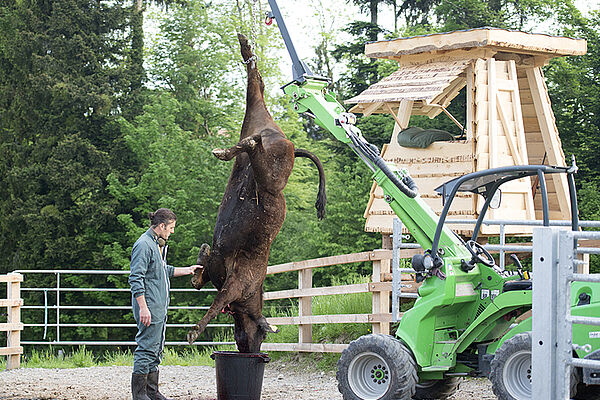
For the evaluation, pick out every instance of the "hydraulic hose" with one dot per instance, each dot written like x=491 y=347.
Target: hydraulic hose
x=407 y=185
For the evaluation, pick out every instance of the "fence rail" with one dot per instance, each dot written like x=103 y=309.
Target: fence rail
x=13 y=325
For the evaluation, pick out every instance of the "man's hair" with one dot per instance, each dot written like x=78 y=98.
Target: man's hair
x=161 y=216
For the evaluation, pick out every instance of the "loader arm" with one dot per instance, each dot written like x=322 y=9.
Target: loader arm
x=310 y=96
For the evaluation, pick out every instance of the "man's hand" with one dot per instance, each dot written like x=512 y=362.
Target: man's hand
x=145 y=316
x=193 y=268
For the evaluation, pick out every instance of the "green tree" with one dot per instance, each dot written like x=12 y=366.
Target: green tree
x=60 y=77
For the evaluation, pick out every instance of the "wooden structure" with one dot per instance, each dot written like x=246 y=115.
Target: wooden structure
x=509 y=120
x=13 y=326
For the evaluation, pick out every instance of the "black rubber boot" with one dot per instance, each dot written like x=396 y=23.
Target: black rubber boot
x=138 y=386
x=152 y=387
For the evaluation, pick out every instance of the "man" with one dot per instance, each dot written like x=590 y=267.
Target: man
x=149 y=280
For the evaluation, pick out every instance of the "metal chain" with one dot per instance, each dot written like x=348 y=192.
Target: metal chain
x=254 y=13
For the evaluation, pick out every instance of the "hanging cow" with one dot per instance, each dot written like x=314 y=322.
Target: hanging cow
x=250 y=216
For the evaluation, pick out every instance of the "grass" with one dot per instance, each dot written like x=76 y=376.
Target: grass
x=82 y=357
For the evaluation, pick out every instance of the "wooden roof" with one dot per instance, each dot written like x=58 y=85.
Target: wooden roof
x=500 y=40
x=432 y=83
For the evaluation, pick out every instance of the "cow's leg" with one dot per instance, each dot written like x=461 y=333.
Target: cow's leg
x=230 y=292
x=201 y=275
x=245 y=145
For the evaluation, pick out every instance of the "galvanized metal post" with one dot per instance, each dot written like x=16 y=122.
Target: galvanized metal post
x=396 y=273
x=543 y=337
x=564 y=330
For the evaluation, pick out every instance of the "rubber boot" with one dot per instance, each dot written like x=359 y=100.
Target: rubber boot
x=152 y=387
x=138 y=386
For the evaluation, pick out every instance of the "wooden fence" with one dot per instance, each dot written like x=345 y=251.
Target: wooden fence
x=380 y=285
x=13 y=326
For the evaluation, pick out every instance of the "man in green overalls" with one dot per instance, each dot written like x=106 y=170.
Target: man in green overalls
x=149 y=280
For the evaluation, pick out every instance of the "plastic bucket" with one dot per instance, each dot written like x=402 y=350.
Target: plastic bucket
x=239 y=375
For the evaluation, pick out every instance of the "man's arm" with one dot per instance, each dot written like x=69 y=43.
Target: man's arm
x=186 y=270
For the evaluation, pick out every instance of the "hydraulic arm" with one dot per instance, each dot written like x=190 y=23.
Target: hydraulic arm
x=310 y=96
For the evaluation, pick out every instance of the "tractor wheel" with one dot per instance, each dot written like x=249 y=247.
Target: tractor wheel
x=511 y=370
x=376 y=367
x=436 y=389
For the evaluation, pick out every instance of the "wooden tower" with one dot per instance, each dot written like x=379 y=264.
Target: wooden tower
x=509 y=120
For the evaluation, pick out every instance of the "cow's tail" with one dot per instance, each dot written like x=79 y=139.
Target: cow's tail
x=321 y=196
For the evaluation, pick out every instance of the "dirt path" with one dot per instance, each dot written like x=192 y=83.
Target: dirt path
x=189 y=383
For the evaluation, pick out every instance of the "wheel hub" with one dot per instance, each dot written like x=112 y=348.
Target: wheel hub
x=369 y=376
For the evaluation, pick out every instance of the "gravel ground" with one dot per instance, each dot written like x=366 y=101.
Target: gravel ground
x=190 y=383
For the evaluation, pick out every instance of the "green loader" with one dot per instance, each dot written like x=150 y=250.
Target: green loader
x=465 y=320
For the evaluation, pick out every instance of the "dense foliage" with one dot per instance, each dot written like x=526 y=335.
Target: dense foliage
x=97 y=131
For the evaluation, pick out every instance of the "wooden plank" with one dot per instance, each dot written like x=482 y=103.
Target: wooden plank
x=11 y=277
x=492 y=130
x=305 y=347
x=305 y=306
x=508 y=134
x=317 y=262
x=11 y=302
x=321 y=291
x=404 y=113
x=496 y=39
x=549 y=131
x=5 y=351
x=331 y=319
x=470 y=103
x=13 y=326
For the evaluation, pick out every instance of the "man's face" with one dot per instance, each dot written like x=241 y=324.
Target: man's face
x=165 y=230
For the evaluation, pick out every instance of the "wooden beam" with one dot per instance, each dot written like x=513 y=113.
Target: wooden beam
x=368 y=110
x=329 y=290
x=12 y=277
x=305 y=306
x=11 y=302
x=508 y=133
x=16 y=326
x=305 y=347
x=6 y=351
x=331 y=319
x=449 y=115
x=492 y=131
x=545 y=116
x=474 y=39
x=404 y=113
x=393 y=114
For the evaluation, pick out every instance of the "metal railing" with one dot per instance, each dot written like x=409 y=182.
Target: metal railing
x=554 y=266
x=60 y=289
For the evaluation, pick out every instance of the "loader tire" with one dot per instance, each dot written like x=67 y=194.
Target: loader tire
x=377 y=367
x=436 y=389
x=511 y=370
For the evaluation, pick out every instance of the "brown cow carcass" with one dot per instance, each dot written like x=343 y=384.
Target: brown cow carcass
x=250 y=216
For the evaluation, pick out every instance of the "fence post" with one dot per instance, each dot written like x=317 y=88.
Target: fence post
x=305 y=305
x=13 y=327
x=545 y=312
x=381 y=300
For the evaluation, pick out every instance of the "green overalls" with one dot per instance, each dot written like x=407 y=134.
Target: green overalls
x=149 y=276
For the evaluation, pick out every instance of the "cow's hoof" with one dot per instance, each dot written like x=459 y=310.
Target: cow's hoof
x=221 y=154
x=192 y=336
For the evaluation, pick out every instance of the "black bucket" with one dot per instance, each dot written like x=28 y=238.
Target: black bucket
x=239 y=375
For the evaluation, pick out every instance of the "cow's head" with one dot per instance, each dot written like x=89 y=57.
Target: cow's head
x=250 y=333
